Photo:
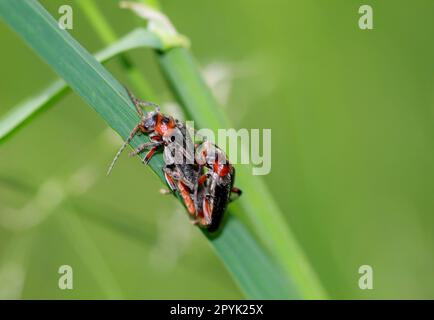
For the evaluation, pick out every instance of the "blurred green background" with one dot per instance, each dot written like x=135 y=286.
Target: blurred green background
x=351 y=114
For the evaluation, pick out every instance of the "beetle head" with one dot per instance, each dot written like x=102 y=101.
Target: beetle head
x=149 y=121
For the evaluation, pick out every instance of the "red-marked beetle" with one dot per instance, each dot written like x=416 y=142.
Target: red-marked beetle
x=205 y=194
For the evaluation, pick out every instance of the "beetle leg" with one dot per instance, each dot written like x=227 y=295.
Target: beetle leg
x=185 y=194
x=195 y=221
x=199 y=183
x=149 y=155
x=200 y=221
x=124 y=145
x=140 y=103
x=207 y=211
x=172 y=176
x=165 y=191
x=170 y=181
x=143 y=147
x=155 y=137
x=237 y=193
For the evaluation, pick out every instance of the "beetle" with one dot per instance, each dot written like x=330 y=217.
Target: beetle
x=181 y=175
x=205 y=194
x=215 y=187
x=168 y=133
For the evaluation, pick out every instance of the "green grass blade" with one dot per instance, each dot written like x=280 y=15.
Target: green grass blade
x=256 y=204
x=106 y=33
x=253 y=270
x=23 y=112
x=99 y=23
x=256 y=274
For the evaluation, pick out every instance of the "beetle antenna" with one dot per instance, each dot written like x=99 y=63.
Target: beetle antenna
x=126 y=142
x=141 y=103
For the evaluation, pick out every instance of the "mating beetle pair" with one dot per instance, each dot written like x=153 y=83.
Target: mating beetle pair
x=204 y=178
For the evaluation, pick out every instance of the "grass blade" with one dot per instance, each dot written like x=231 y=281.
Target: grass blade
x=256 y=204
x=19 y=115
x=104 y=30
x=258 y=278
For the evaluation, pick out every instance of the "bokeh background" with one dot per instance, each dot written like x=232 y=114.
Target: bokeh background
x=351 y=114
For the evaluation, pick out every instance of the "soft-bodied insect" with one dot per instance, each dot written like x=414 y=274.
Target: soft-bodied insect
x=180 y=170
x=215 y=187
x=205 y=195
x=165 y=132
